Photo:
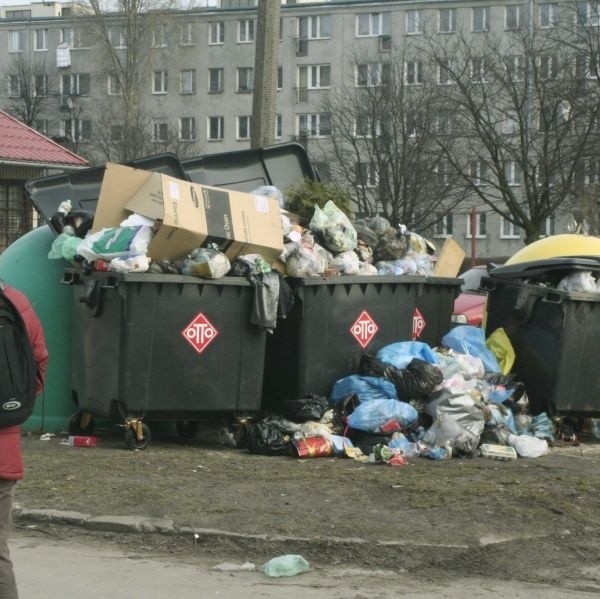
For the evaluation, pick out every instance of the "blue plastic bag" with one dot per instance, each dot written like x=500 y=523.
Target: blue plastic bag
x=400 y=354
x=370 y=416
x=366 y=388
x=470 y=340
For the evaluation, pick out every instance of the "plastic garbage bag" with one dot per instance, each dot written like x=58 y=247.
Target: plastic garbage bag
x=311 y=407
x=140 y=263
x=527 y=446
x=464 y=409
x=579 y=281
x=467 y=339
x=270 y=436
x=265 y=301
x=304 y=258
x=371 y=415
x=499 y=344
x=451 y=363
x=445 y=430
x=270 y=191
x=346 y=263
x=206 y=263
x=366 y=388
x=400 y=354
x=335 y=228
x=285 y=565
x=64 y=246
x=114 y=242
x=542 y=426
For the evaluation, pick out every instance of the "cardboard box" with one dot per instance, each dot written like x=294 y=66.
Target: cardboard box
x=449 y=260
x=192 y=215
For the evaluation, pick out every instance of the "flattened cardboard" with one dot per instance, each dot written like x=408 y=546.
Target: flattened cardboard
x=449 y=260
x=192 y=215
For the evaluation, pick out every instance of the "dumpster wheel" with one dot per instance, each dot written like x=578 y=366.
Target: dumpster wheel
x=81 y=423
x=137 y=434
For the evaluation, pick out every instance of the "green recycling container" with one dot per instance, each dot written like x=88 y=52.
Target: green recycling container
x=25 y=266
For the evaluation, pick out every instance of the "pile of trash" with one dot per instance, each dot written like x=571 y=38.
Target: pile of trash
x=410 y=400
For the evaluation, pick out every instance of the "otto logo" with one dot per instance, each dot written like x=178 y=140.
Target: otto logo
x=419 y=324
x=11 y=405
x=364 y=329
x=200 y=333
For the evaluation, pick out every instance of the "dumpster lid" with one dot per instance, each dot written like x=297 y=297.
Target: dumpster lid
x=545 y=268
x=279 y=165
x=82 y=187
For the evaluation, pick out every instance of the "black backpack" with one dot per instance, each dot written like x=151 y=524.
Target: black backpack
x=18 y=369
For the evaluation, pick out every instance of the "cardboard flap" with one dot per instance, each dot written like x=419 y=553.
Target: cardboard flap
x=450 y=259
x=149 y=198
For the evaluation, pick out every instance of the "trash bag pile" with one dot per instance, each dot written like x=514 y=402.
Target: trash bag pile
x=409 y=401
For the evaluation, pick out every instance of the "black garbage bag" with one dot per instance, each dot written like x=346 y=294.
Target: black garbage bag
x=266 y=298
x=416 y=381
x=270 y=436
x=341 y=410
x=365 y=441
x=311 y=407
x=507 y=380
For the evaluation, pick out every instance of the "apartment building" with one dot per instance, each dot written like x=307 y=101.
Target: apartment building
x=197 y=78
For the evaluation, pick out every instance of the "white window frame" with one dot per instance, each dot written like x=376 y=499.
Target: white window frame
x=549 y=226
x=36 y=40
x=443 y=170
x=549 y=15
x=216 y=33
x=76 y=83
x=376 y=74
x=444 y=123
x=160 y=82
x=517 y=15
x=476 y=171
x=480 y=225
x=278 y=127
x=510 y=124
x=548 y=65
x=187 y=34
x=314 y=27
x=479 y=69
x=119 y=44
x=513 y=174
x=221 y=75
x=368 y=127
x=114 y=128
x=220 y=122
x=113 y=86
x=159 y=36
x=515 y=67
x=444 y=225
x=367 y=175
x=246 y=73
x=378 y=23
x=189 y=123
x=243 y=122
x=451 y=12
x=313 y=125
x=509 y=230
x=447 y=80
x=187 y=81
x=480 y=13
x=246 y=31
x=591 y=18
x=79 y=130
x=413 y=22
x=314 y=76
x=160 y=130
x=591 y=171
x=15 y=84
x=41 y=125
x=16 y=41
x=40 y=90
x=413 y=72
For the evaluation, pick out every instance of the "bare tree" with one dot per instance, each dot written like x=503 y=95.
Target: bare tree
x=524 y=125
x=382 y=143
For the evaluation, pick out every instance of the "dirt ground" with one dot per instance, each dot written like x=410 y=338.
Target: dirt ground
x=529 y=520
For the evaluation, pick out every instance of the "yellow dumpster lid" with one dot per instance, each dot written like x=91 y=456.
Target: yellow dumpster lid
x=557 y=246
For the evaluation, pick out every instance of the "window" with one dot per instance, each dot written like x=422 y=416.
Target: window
x=480 y=19
x=372 y=74
x=74 y=38
x=443 y=172
x=549 y=226
x=585 y=67
x=216 y=127
x=413 y=72
x=215 y=81
x=116 y=132
x=414 y=21
x=188 y=81
x=114 y=85
x=187 y=128
x=445 y=69
x=447 y=20
x=480 y=225
x=372 y=24
x=314 y=76
x=515 y=68
x=187 y=34
x=513 y=17
x=18 y=14
x=509 y=230
x=479 y=70
x=413 y=124
x=40 y=40
x=548 y=67
x=366 y=125
x=510 y=124
x=16 y=41
x=314 y=125
x=40 y=85
x=216 y=33
x=160 y=82
x=14 y=85
x=41 y=125
x=444 y=123
x=310 y=28
x=76 y=84
x=159 y=36
x=116 y=36
x=476 y=172
x=367 y=174
x=588 y=12
x=245 y=31
x=513 y=173
x=160 y=131
x=243 y=127
x=279 y=77
x=443 y=225
x=591 y=171
x=76 y=129
x=245 y=79
x=278 y=127
x=549 y=14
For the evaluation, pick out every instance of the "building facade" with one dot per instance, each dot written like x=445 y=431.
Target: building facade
x=195 y=78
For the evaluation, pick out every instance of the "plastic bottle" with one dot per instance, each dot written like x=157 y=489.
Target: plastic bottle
x=285 y=565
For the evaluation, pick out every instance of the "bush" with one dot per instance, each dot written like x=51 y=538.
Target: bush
x=302 y=197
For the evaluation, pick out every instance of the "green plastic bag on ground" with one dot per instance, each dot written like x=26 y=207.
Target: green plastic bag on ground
x=499 y=344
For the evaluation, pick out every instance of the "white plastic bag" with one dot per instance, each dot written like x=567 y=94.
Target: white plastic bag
x=114 y=242
x=527 y=446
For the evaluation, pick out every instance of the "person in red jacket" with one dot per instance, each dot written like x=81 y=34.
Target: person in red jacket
x=11 y=460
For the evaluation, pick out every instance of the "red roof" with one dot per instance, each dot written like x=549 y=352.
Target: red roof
x=20 y=143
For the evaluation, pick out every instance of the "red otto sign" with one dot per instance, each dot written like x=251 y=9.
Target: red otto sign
x=364 y=329
x=418 y=324
x=200 y=333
